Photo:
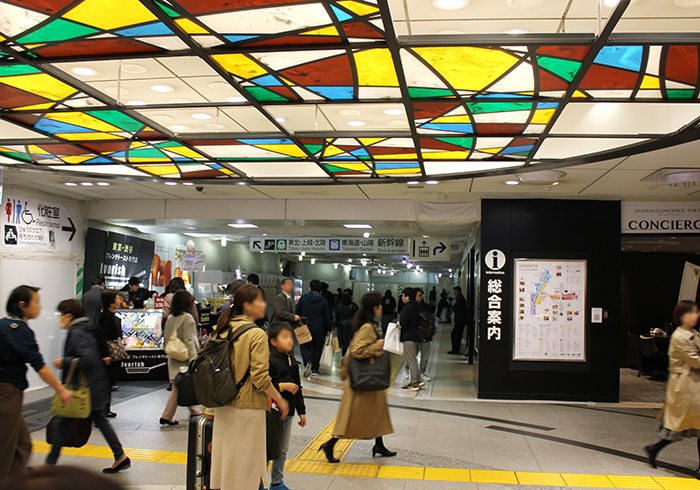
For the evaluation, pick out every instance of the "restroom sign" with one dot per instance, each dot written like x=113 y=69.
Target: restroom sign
x=495 y=259
x=430 y=248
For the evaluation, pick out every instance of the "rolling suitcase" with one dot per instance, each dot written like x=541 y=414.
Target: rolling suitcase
x=199 y=453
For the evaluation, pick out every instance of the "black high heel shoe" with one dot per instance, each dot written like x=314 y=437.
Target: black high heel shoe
x=652 y=451
x=168 y=422
x=383 y=452
x=121 y=466
x=697 y=473
x=328 y=449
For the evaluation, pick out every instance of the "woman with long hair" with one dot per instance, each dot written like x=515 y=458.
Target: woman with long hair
x=344 y=314
x=363 y=414
x=181 y=323
x=177 y=284
x=239 y=446
x=681 y=413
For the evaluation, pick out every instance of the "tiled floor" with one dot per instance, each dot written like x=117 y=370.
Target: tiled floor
x=449 y=441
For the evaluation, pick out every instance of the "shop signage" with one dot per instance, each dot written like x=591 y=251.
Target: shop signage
x=494 y=261
x=41 y=225
x=193 y=262
x=118 y=257
x=330 y=245
x=660 y=217
x=430 y=248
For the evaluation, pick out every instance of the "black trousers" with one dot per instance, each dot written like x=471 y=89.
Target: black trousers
x=457 y=332
x=311 y=351
x=471 y=341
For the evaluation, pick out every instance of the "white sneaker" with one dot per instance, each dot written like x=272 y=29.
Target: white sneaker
x=425 y=378
x=421 y=383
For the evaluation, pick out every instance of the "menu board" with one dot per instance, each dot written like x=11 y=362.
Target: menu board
x=550 y=310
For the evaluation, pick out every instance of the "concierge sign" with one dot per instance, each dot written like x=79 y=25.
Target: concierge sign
x=670 y=218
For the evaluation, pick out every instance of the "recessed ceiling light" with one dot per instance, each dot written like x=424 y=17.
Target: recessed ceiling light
x=512 y=182
x=188 y=183
x=242 y=225
x=450 y=4
x=180 y=101
x=170 y=182
x=524 y=4
x=83 y=71
x=162 y=117
x=136 y=102
x=216 y=126
x=357 y=226
x=611 y=3
x=87 y=184
x=114 y=91
x=161 y=88
x=356 y=124
x=517 y=31
x=280 y=119
x=178 y=127
x=133 y=68
x=201 y=116
x=393 y=112
x=103 y=184
x=70 y=184
x=349 y=112
x=221 y=86
x=397 y=123
x=687 y=4
x=366 y=234
x=412 y=182
x=555 y=183
x=235 y=100
x=431 y=182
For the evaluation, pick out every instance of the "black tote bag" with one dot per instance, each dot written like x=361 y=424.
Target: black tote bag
x=274 y=434
x=371 y=374
x=78 y=435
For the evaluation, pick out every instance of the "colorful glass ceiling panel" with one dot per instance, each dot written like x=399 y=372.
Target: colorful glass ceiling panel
x=202 y=86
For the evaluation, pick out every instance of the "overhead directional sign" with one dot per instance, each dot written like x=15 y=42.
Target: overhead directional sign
x=430 y=248
x=40 y=225
x=331 y=245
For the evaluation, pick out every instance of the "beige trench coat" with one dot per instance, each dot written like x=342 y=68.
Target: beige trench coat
x=362 y=414
x=682 y=409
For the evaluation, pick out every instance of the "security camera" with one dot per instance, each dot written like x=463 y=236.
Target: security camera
x=199 y=188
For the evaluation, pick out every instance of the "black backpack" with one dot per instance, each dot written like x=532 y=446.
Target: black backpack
x=212 y=372
x=426 y=327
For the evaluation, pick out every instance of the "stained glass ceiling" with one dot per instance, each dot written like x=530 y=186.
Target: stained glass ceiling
x=304 y=90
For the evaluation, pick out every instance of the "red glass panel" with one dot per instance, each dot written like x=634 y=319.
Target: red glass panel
x=28 y=119
x=203 y=174
x=569 y=52
x=277 y=41
x=212 y=142
x=433 y=144
x=550 y=82
x=210 y=6
x=423 y=110
x=284 y=91
x=11 y=97
x=64 y=150
x=360 y=29
x=327 y=72
x=604 y=77
x=522 y=142
x=48 y=6
x=97 y=46
x=682 y=64
x=107 y=146
x=499 y=128
x=385 y=150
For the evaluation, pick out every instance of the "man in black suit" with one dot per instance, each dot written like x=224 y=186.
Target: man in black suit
x=460 y=311
x=92 y=300
x=283 y=305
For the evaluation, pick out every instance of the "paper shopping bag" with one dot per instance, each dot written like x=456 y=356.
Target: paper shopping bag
x=303 y=334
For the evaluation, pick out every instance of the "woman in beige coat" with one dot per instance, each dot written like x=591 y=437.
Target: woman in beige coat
x=239 y=446
x=681 y=414
x=363 y=414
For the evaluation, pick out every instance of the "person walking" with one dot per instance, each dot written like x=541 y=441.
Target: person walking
x=388 y=309
x=432 y=298
x=239 y=446
x=180 y=323
x=680 y=417
x=81 y=347
x=460 y=311
x=178 y=284
x=18 y=348
x=363 y=414
x=283 y=305
x=110 y=328
x=344 y=314
x=424 y=346
x=92 y=300
x=411 y=346
x=328 y=296
x=318 y=316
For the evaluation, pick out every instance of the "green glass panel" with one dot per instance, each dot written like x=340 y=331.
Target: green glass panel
x=168 y=10
x=117 y=119
x=463 y=142
x=334 y=169
x=520 y=154
x=566 y=69
x=418 y=93
x=313 y=148
x=58 y=30
x=23 y=157
x=145 y=153
x=263 y=94
x=486 y=107
x=17 y=70
x=168 y=144
x=680 y=94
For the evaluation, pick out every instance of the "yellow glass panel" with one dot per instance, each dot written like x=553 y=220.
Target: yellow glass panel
x=542 y=116
x=288 y=82
x=326 y=31
x=136 y=144
x=32 y=46
x=468 y=68
x=36 y=150
x=190 y=27
x=402 y=156
x=239 y=64
x=149 y=160
x=160 y=169
x=184 y=151
x=226 y=171
x=83 y=120
x=358 y=8
x=370 y=141
x=491 y=150
x=386 y=171
x=8 y=150
x=375 y=67
x=446 y=155
x=289 y=150
x=453 y=119
x=650 y=82
x=89 y=136
x=579 y=95
x=110 y=14
x=35 y=107
x=332 y=151
x=76 y=159
x=40 y=84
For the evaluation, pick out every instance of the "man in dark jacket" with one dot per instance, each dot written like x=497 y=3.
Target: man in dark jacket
x=110 y=329
x=138 y=295
x=328 y=296
x=92 y=300
x=314 y=308
x=409 y=325
x=460 y=311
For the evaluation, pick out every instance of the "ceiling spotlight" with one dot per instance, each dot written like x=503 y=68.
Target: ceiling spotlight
x=403 y=261
x=170 y=182
x=201 y=116
x=280 y=119
x=87 y=184
x=379 y=271
x=356 y=124
x=103 y=184
x=431 y=182
x=347 y=268
x=393 y=112
x=357 y=226
x=70 y=184
x=301 y=257
x=335 y=266
x=611 y=3
x=449 y=270
x=83 y=71
x=412 y=182
x=132 y=68
x=450 y=4
x=512 y=182
x=188 y=183
x=136 y=102
x=440 y=275
x=364 y=255
x=303 y=253
x=163 y=89
x=366 y=234
x=542 y=177
x=245 y=225
x=178 y=127
x=392 y=273
x=349 y=112
x=220 y=86
x=383 y=271
x=236 y=100
x=555 y=183
x=517 y=31
x=313 y=261
x=523 y=4
x=223 y=241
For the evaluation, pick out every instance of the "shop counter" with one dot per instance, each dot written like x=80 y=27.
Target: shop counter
x=142 y=332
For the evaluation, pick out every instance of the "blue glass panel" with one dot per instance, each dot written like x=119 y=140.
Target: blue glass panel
x=235 y=39
x=627 y=57
x=98 y=160
x=267 y=81
x=54 y=127
x=341 y=14
x=457 y=128
x=503 y=96
x=333 y=93
x=547 y=105
x=361 y=152
x=516 y=149
x=155 y=29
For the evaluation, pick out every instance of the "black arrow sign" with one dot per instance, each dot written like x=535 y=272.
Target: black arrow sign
x=439 y=249
x=257 y=244
x=70 y=229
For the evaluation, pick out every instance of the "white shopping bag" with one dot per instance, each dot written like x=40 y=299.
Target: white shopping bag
x=392 y=339
x=327 y=354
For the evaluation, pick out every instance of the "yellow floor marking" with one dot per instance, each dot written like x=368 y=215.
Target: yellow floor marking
x=591 y=481
x=494 y=476
x=624 y=481
x=401 y=472
x=675 y=483
x=447 y=474
x=532 y=478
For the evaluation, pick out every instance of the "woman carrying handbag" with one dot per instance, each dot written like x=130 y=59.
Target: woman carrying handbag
x=81 y=345
x=363 y=414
